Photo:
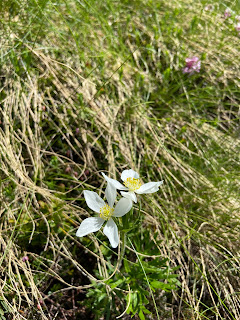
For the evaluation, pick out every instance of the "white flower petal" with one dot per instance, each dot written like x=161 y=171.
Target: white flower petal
x=123 y=206
x=129 y=195
x=114 y=182
x=149 y=187
x=129 y=174
x=111 y=194
x=111 y=231
x=93 y=200
x=89 y=225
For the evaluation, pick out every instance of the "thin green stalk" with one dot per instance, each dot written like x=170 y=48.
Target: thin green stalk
x=124 y=237
x=154 y=302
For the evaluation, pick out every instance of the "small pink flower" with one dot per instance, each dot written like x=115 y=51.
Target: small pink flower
x=227 y=13
x=209 y=7
x=237 y=27
x=77 y=130
x=69 y=153
x=25 y=258
x=75 y=173
x=68 y=169
x=40 y=304
x=192 y=65
x=86 y=172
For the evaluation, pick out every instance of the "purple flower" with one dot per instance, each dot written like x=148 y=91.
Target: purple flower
x=86 y=172
x=227 y=13
x=192 y=65
x=25 y=258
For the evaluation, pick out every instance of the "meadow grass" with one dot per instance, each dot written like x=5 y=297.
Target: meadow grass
x=90 y=87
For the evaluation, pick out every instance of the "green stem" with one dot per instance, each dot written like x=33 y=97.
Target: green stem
x=154 y=302
x=124 y=237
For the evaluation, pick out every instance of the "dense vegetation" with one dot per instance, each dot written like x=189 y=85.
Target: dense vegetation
x=98 y=86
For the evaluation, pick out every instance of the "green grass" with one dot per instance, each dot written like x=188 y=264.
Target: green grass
x=98 y=86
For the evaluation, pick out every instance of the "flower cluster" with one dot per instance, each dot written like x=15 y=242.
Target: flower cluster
x=227 y=13
x=192 y=65
x=232 y=17
x=106 y=211
x=237 y=27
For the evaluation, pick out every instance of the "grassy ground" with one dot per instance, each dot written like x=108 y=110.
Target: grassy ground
x=92 y=86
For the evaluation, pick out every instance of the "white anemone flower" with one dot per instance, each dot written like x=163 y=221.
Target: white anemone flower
x=106 y=212
x=132 y=184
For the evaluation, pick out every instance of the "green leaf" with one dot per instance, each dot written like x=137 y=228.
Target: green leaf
x=134 y=300
x=126 y=265
x=162 y=285
x=141 y=315
x=115 y=284
x=145 y=310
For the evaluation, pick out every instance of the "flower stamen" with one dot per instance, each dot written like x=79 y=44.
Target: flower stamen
x=106 y=212
x=132 y=184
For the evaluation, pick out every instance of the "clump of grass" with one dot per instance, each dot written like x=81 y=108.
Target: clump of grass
x=90 y=87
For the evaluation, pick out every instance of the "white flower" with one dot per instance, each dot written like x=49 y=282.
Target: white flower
x=132 y=184
x=106 y=212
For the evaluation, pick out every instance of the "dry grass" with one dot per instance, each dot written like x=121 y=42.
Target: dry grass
x=57 y=116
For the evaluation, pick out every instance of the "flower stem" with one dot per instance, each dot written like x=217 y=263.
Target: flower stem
x=124 y=237
x=154 y=302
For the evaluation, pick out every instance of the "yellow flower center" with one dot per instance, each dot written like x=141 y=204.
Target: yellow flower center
x=132 y=184
x=106 y=212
